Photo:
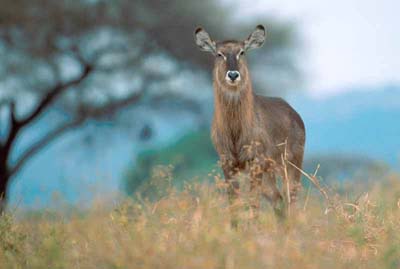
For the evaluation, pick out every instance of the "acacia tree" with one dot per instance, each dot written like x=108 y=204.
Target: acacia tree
x=72 y=54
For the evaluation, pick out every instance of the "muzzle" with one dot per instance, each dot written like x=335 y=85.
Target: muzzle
x=232 y=76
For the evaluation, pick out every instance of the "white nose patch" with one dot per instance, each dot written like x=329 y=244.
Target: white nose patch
x=232 y=76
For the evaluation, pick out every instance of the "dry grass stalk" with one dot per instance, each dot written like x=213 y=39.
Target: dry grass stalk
x=285 y=175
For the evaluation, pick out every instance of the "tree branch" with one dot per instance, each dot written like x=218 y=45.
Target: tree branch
x=55 y=92
x=47 y=139
x=16 y=125
x=111 y=108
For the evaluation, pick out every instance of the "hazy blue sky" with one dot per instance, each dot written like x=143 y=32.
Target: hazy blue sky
x=346 y=42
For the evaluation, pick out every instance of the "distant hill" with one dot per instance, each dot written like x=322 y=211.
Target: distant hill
x=337 y=167
x=360 y=122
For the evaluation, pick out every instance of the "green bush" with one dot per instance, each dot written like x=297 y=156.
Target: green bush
x=191 y=158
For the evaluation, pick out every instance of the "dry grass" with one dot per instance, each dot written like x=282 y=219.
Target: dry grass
x=191 y=229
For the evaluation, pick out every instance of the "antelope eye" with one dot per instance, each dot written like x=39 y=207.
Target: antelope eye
x=220 y=55
x=239 y=54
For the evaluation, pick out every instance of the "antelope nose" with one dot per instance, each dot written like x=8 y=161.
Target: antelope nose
x=233 y=75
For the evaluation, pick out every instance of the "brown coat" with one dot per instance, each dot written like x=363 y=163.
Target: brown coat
x=250 y=129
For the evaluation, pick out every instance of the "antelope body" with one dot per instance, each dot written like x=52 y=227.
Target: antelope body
x=250 y=130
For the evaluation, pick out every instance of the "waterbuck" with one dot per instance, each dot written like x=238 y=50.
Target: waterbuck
x=261 y=136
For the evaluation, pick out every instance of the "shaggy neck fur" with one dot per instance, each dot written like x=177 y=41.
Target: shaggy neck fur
x=234 y=107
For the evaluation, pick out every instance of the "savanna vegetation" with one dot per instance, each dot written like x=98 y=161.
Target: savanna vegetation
x=191 y=228
x=90 y=61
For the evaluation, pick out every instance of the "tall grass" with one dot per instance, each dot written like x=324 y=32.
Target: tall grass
x=191 y=228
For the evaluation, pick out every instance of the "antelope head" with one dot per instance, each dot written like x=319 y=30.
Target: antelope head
x=230 y=66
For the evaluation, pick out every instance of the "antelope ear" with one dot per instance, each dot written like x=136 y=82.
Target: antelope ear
x=204 y=42
x=256 y=39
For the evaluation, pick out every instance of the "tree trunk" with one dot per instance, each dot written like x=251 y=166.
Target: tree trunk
x=4 y=179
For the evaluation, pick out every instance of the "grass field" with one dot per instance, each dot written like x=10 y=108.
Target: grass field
x=190 y=228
